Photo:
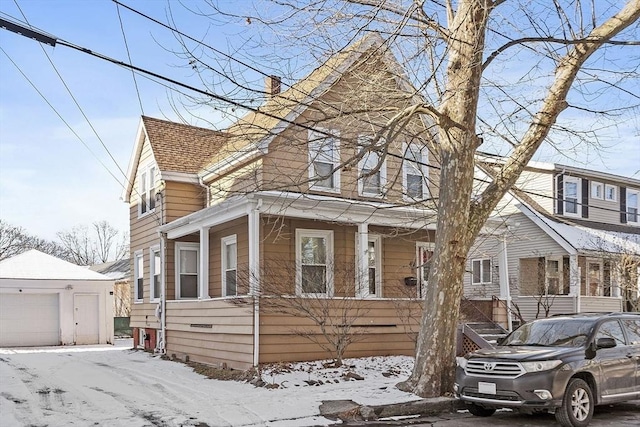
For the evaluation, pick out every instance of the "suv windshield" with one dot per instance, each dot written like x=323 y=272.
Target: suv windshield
x=551 y=332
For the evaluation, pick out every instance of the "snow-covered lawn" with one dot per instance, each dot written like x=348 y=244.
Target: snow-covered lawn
x=117 y=386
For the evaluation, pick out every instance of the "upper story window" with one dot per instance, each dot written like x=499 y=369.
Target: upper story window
x=597 y=190
x=314 y=256
x=324 y=159
x=229 y=266
x=147 y=190
x=611 y=193
x=632 y=206
x=373 y=170
x=187 y=255
x=481 y=271
x=415 y=172
x=572 y=190
x=138 y=273
x=156 y=273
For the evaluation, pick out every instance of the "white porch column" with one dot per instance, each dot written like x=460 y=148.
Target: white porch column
x=203 y=276
x=254 y=250
x=505 y=291
x=362 y=261
x=574 y=280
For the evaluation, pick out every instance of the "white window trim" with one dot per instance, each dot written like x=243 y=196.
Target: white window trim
x=151 y=184
x=615 y=193
x=578 y=182
x=424 y=154
x=481 y=261
x=137 y=274
x=224 y=242
x=377 y=241
x=547 y=276
x=152 y=269
x=315 y=135
x=594 y=190
x=179 y=246
x=422 y=287
x=637 y=193
x=328 y=235
x=382 y=170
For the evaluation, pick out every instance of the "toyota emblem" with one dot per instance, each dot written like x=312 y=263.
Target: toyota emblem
x=489 y=366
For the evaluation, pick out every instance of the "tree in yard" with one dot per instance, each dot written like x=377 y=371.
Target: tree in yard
x=15 y=240
x=100 y=244
x=487 y=73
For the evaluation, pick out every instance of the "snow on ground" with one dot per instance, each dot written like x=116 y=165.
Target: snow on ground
x=118 y=386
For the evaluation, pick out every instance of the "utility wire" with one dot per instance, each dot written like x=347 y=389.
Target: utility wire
x=126 y=45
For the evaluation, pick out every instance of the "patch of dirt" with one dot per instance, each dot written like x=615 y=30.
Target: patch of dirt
x=216 y=373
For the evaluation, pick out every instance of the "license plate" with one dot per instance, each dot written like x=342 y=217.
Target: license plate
x=486 y=388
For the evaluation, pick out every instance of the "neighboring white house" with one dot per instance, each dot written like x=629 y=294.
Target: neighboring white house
x=47 y=301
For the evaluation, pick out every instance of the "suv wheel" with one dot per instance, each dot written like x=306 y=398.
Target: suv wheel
x=479 y=411
x=577 y=405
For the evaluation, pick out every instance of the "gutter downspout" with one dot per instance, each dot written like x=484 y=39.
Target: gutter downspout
x=254 y=275
x=207 y=191
x=163 y=296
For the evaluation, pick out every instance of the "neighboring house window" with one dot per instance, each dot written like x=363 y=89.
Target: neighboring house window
x=571 y=195
x=156 y=273
x=594 y=279
x=324 y=157
x=373 y=170
x=611 y=193
x=374 y=262
x=147 y=190
x=597 y=190
x=187 y=270
x=229 y=266
x=424 y=253
x=632 y=206
x=553 y=277
x=481 y=271
x=415 y=172
x=314 y=255
x=138 y=272
x=544 y=276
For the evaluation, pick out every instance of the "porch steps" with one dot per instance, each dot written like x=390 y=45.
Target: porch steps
x=490 y=332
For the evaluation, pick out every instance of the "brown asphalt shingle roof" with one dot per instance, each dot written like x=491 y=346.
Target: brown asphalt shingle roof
x=181 y=148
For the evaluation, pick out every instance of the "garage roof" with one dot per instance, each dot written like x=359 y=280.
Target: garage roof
x=34 y=264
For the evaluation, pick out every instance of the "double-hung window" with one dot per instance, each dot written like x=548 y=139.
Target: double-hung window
x=147 y=190
x=632 y=206
x=229 y=266
x=415 y=172
x=481 y=271
x=374 y=266
x=610 y=193
x=314 y=255
x=138 y=273
x=571 y=195
x=324 y=159
x=597 y=190
x=156 y=273
x=187 y=255
x=373 y=170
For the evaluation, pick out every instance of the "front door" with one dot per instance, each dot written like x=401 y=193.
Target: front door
x=86 y=315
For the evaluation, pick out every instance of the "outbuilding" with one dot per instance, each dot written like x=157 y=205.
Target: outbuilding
x=48 y=301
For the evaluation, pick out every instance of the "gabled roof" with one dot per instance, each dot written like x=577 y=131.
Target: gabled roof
x=116 y=270
x=34 y=264
x=176 y=147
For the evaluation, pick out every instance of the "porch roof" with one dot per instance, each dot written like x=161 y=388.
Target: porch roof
x=306 y=206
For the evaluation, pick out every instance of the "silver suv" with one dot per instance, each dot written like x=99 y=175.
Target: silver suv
x=564 y=364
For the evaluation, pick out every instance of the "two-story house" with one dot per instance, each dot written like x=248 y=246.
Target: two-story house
x=570 y=243
x=308 y=200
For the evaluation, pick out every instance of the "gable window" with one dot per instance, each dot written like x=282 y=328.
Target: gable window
x=374 y=270
x=229 y=266
x=373 y=170
x=611 y=193
x=187 y=255
x=597 y=190
x=415 y=172
x=324 y=158
x=147 y=190
x=481 y=271
x=138 y=272
x=632 y=206
x=314 y=254
x=156 y=272
x=571 y=195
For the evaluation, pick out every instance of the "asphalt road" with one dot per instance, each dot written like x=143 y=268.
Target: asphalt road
x=620 y=415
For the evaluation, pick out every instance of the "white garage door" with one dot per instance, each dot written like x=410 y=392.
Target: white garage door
x=29 y=320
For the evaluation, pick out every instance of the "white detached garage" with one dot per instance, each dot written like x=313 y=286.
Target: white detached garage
x=47 y=301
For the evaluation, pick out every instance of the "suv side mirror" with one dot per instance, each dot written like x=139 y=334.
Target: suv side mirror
x=605 y=343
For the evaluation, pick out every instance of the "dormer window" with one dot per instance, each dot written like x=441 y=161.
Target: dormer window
x=571 y=195
x=324 y=158
x=415 y=172
x=373 y=170
x=632 y=206
x=610 y=193
x=147 y=190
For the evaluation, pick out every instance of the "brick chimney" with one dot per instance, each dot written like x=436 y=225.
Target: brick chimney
x=272 y=85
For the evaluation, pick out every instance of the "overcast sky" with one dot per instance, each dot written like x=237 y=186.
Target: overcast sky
x=52 y=180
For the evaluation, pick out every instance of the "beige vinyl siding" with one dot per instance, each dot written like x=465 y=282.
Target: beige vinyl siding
x=182 y=199
x=211 y=331
x=143 y=315
x=532 y=306
x=485 y=247
x=388 y=329
x=246 y=179
x=600 y=304
x=240 y=228
x=539 y=185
